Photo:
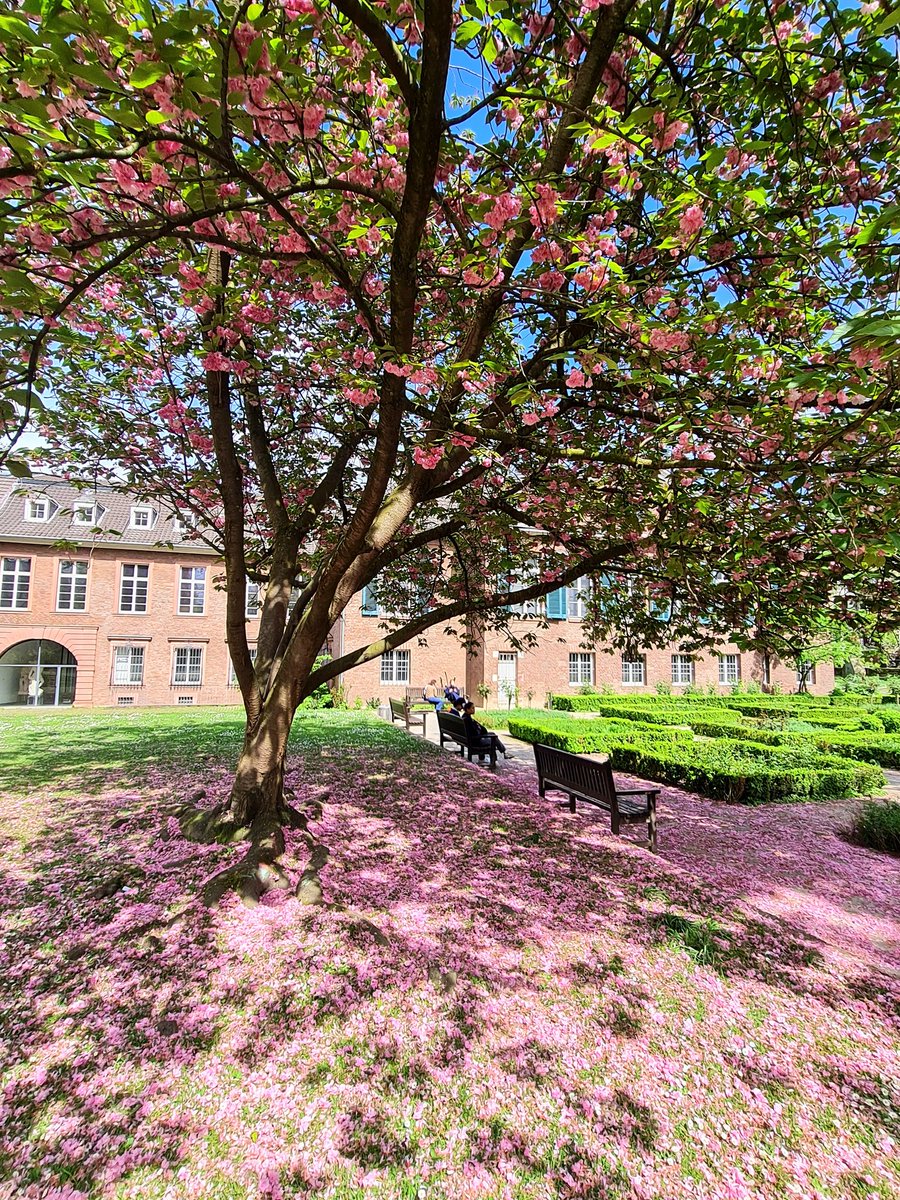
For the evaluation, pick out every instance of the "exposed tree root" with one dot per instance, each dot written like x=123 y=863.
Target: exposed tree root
x=259 y=870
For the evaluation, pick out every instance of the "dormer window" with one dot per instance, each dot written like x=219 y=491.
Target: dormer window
x=142 y=516
x=38 y=509
x=182 y=524
x=86 y=514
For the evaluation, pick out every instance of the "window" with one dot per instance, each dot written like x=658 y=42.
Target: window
x=581 y=669
x=71 y=592
x=37 y=510
x=806 y=674
x=142 y=516
x=192 y=591
x=576 y=597
x=187 y=666
x=185 y=700
x=729 y=668
x=122 y=701
x=632 y=670
x=232 y=678
x=682 y=669
x=395 y=666
x=128 y=666
x=15 y=580
x=86 y=514
x=369 y=602
x=133 y=592
x=251 y=603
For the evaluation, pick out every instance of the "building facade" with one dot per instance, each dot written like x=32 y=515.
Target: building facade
x=559 y=662
x=106 y=600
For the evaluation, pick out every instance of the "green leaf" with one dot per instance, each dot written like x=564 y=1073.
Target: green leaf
x=155 y=117
x=254 y=11
x=18 y=467
x=146 y=73
x=467 y=32
x=892 y=19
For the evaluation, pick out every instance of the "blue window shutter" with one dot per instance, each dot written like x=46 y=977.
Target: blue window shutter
x=369 y=603
x=556 y=604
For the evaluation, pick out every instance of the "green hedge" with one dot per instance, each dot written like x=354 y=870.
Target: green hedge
x=586 y=737
x=735 y=771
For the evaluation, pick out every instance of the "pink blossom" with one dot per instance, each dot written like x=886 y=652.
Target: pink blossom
x=545 y=208
x=505 y=209
x=428 y=457
x=692 y=221
x=312 y=116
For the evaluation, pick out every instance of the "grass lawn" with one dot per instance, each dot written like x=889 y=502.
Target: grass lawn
x=497 y=1001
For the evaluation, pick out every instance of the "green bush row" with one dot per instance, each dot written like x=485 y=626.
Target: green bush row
x=587 y=737
x=735 y=771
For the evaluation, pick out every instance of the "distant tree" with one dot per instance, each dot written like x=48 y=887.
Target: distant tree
x=463 y=304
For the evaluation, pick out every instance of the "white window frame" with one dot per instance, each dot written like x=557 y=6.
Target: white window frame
x=729 y=669
x=808 y=673
x=32 y=503
x=134 y=580
x=77 y=574
x=632 y=667
x=395 y=667
x=682 y=670
x=142 y=510
x=187 y=666
x=581 y=668
x=16 y=572
x=252 y=600
x=232 y=678
x=86 y=514
x=128 y=661
x=576 y=605
x=191 y=586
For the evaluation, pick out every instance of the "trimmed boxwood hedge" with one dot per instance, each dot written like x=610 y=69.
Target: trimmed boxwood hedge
x=586 y=737
x=736 y=771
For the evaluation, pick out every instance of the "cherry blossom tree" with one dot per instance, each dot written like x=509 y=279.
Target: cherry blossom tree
x=464 y=302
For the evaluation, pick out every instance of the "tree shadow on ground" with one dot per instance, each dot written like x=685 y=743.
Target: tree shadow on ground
x=118 y=980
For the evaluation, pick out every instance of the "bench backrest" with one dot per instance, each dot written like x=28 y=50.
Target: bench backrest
x=452 y=724
x=584 y=774
x=415 y=695
x=398 y=708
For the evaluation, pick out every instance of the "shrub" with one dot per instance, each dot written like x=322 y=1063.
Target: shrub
x=736 y=771
x=586 y=737
x=877 y=826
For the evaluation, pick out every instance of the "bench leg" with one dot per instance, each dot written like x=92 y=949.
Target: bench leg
x=651 y=824
x=542 y=791
x=572 y=804
x=614 y=822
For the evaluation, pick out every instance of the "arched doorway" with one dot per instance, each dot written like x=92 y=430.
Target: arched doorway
x=37 y=672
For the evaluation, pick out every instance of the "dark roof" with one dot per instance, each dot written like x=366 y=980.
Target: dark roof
x=113 y=520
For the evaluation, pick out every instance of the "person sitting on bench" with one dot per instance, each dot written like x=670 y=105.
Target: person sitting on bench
x=437 y=701
x=478 y=735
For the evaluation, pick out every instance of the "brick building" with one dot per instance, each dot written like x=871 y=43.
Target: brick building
x=560 y=662
x=104 y=600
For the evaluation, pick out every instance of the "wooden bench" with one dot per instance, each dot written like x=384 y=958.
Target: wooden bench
x=453 y=729
x=401 y=711
x=586 y=779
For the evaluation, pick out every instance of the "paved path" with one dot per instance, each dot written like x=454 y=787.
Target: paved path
x=787 y=861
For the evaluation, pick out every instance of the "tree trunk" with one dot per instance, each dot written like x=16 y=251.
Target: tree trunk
x=258 y=788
